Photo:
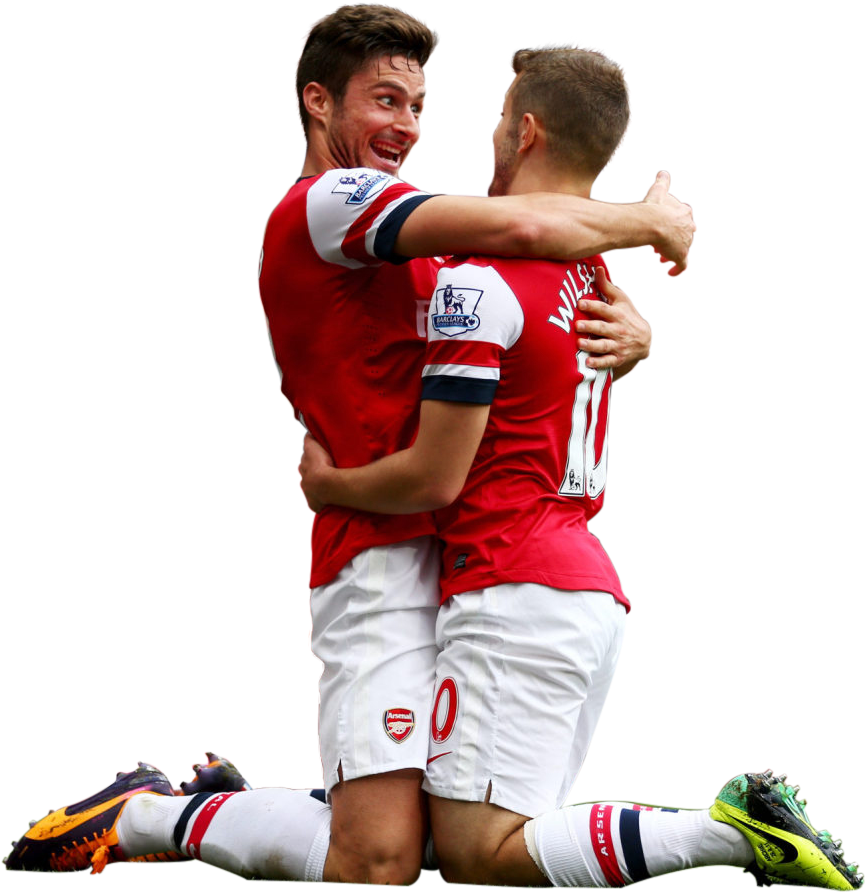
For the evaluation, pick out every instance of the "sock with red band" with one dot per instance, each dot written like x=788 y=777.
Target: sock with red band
x=614 y=845
x=272 y=833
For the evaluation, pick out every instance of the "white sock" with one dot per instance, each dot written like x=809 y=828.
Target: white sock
x=605 y=845
x=276 y=833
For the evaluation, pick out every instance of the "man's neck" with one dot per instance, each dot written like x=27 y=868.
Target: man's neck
x=540 y=178
x=551 y=183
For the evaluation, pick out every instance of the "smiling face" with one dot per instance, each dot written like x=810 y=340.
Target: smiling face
x=375 y=124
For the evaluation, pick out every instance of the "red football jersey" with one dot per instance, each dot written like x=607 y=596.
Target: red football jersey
x=503 y=332
x=347 y=322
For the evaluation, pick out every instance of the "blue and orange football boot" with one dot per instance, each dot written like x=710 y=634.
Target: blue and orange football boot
x=787 y=848
x=85 y=834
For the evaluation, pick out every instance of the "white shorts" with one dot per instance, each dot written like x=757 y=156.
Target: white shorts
x=521 y=678
x=373 y=627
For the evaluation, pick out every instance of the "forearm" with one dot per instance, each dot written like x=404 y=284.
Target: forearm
x=426 y=476
x=396 y=484
x=540 y=224
x=566 y=226
x=623 y=369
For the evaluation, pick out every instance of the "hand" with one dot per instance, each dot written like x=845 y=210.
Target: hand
x=677 y=225
x=621 y=337
x=314 y=459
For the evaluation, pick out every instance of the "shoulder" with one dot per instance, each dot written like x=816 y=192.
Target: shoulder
x=350 y=214
x=356 y=187
x=473 y=301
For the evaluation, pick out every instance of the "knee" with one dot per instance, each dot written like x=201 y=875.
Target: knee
x=461 y=864
x=473 y=873
x=486 y=870
x=455 y=872
x=378 y=860
x=478 y=843
x=372 y=839
x=379 y=864
x=392 y=872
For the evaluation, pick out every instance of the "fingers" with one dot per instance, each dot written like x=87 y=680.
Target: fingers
x=598 y=309
x=614 y=334
x=677 y=268
x=604 y=341
x=600 y=351
x=602 y=331
x=606 y=361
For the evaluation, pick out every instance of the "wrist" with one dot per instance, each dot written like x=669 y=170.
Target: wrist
x=641 y=224
x=652 y=224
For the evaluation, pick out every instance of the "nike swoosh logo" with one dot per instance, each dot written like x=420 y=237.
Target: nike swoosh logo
x=439 y=756
x=791 y=853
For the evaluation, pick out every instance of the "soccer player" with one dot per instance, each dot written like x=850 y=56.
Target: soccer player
x=513 y=426
x=346 y=305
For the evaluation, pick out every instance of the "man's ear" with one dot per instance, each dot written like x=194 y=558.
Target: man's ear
x=317 y=100
x=528 y=132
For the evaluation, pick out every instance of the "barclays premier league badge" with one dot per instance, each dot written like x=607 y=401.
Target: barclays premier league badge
x=360 y=187
x=454 y=312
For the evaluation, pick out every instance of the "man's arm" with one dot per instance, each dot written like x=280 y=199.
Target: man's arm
x=553 y=225
x=426 y=476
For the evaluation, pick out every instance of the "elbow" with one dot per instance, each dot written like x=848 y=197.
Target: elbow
x=519 y=229
x=526 y=236
x=440 y=494
x=434 y=501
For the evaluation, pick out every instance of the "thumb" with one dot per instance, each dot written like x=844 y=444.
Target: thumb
x=603 y=283
x=660 y=187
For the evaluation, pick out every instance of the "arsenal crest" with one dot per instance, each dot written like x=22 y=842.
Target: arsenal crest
x=398 y=724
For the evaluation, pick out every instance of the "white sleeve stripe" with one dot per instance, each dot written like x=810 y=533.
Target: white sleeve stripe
x=462 y=371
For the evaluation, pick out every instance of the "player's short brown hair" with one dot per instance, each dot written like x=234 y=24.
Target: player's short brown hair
x=343 y=42
x=580 y=97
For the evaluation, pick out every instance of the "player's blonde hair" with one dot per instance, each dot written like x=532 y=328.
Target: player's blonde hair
x=342 y=43
x=581 y=98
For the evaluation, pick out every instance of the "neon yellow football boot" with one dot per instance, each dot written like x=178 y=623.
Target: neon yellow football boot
x=786 y=846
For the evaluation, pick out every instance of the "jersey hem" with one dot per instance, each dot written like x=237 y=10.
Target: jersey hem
x=561 y=582
x=327 y=571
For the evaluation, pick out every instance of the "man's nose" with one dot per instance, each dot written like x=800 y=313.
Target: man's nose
x=408 y=123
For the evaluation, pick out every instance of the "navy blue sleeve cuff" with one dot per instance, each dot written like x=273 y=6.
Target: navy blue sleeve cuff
x=386 y=236
x=458 y=390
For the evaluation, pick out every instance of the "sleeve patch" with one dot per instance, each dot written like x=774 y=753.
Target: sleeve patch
x=454 y=310
x=360 y=186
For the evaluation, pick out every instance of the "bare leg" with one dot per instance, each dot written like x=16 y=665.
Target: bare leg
x=378 y=829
